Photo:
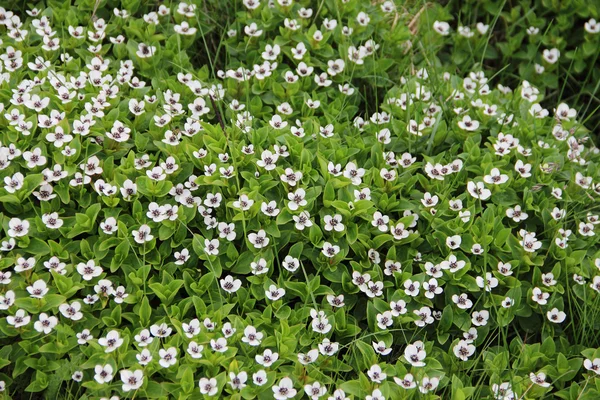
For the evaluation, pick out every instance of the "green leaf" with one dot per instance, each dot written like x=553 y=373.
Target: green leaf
x=315 y=234
x=328 y=194
x=187 y=380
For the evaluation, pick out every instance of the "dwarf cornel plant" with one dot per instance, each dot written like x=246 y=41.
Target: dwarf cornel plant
x=289 y=200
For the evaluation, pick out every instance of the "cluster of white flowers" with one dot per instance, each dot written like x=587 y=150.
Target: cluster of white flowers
x=294 y=234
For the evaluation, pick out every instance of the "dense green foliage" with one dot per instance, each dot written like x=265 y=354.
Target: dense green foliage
x=292 y=199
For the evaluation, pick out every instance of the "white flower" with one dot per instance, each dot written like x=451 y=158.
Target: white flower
x=508 y=302
x=226 y=231
x=167 y=357
x=284 y=390
x=297 y=199
x=156 y=174
x=411 y=288
x=103 y=374
x=488 y=283
x=556 y=316
x=470 y=335
x=251 y=336
x=432 y=288
x=330 y=250
x=277 y=123
x=19 y=319
x=38 y=290
x=89 y=270
x=14 y=183
x=551 y=55
x=182 y=257
x=425 y=316
x=453 y=242
x=333 y=223
x=478 y=190
x=7 y=300
x=428 y=384
x=530 y=242
x=539 y=379
x=77 y=376
x=144 y=338
x=593 y=27
x=564 y=112
x=132 y=380
x=274 y=293
x=184 y=29
x=380 y=221
x=495 y=177
x=211 y=247
x=480 y=318
x=465 y=31
x=407 y=382
x=290 y=263
x=45 y=323
x=112 y=341
x=463 y=350
x=328 y=348
x=443 y=28
x=538 y=111
x=290 y=177
x=145 y=51
x=385 y=320
x=109 y=226
x=144 y=357
x=267 y=358
x=238 y=381
x=142 y=235
x=162 y=330
x=24 y=264
x=52 y=220
x=392 y=267
x=302 y=220
x=523 y=169
x=468 y=124
x=381 y=348
x=71 y=311
x=259 y=267
x=252 y=30
x=34 y=158
x=428 y=200
x=195 y=350
x=594 y=365
x=192 y=329
x=230 y=285
x=583 y=181
x=596 y=284
x=17 y=227
x=259 y=239
x=415 y=354
x=84 y=336
x=462 y=301
x=586 y=229
x=375 y=395
x=482 y=28
x=353 y=173
x=516 y=214
x=315 y=390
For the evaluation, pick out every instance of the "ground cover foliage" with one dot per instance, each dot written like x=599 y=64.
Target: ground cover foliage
x=292 y=199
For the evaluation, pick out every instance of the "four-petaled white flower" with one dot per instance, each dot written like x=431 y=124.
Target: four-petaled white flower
x=259 y=239
x=415 y=354
x=284 y=389
x=132 y=380
x=142 y=235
